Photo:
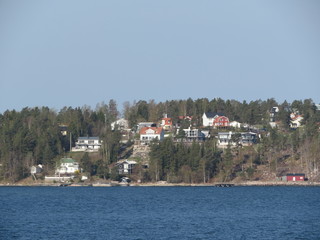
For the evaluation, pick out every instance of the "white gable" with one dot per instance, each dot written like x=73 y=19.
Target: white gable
x=150 y=131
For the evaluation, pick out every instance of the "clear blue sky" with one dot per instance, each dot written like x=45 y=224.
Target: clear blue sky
x=76 y=52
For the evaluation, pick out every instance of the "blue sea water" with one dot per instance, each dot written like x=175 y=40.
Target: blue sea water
x=159 y=213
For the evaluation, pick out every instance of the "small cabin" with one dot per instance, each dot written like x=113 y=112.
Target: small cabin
x=36 y=169
x=295 y=177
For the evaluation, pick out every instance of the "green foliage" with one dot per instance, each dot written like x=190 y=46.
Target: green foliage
x=250 y=172
x=176 y=162
x=32 y=136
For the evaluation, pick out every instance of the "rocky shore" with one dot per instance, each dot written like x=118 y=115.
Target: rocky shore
x=164 y=184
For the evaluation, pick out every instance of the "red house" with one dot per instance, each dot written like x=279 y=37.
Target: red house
x=295 y=177
x=185 y=118
x=221 y=121
x=166 y=123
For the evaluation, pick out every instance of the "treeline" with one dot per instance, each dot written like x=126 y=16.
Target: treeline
x=254 y=112
x=32 y=136
x=278 y=152
x=178 y=162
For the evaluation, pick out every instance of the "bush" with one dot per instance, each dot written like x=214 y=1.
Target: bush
x=250 y=172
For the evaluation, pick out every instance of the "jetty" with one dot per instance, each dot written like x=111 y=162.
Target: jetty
x=224 y=185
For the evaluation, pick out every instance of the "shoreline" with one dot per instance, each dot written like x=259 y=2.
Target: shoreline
x=164 y=184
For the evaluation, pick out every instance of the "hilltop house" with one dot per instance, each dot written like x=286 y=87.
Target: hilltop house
x=145 y=124
x=166 y=123
x=221 y=121
x=193 y=134
x=67 y=166
x=248 y=138
x=235 y=124
x=224 y=139
x=208 y=118
x=295 y=120
x=90 y=144
x=147 y=134
x=273 y=113
x=183 y=119
x=245 y=139
x=188 y=118
x=216 y=120
x=63 y=129
x=120 y=124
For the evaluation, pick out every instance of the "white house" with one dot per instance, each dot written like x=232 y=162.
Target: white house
x=87 y=144
x=208 y=118
x=126 y=166
x=166 y=123
x=67 y=166
x=36 y=169
x=273 y=112
x=216 y=120
x=120 y=123
x=296 y=120
x=235 y=124
x=224 y=139
x=246 y=139
x=193 y=134
x=147 y=134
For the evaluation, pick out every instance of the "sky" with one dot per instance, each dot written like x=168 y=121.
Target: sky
x=80 y=52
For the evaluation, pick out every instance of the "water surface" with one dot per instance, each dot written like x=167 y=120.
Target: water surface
x=160 y=213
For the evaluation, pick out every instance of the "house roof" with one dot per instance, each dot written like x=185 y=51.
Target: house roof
x=274 y=110
x=295 y=174
x=146 y=123
x=225 y=133
x=121 y=120
x=185 y=117
x=296 y=117
x=126 y=161
x=221 y=117
x=191 y=129
x=167 y=121
x=248 y=133
x=157 y=130
x=234 y=122
x=67 y=160
x=88 y=138
x=212 y=115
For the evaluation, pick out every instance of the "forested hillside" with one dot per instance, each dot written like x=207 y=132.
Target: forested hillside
x=33 y=136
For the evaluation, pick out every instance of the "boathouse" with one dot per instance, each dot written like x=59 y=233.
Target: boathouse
x=294 y=177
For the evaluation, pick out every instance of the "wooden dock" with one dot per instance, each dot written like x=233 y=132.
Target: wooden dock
x=224 y=185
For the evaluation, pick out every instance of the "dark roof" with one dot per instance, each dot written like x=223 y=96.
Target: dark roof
x=212 y=115
x=295 y=174
x=88 y=138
